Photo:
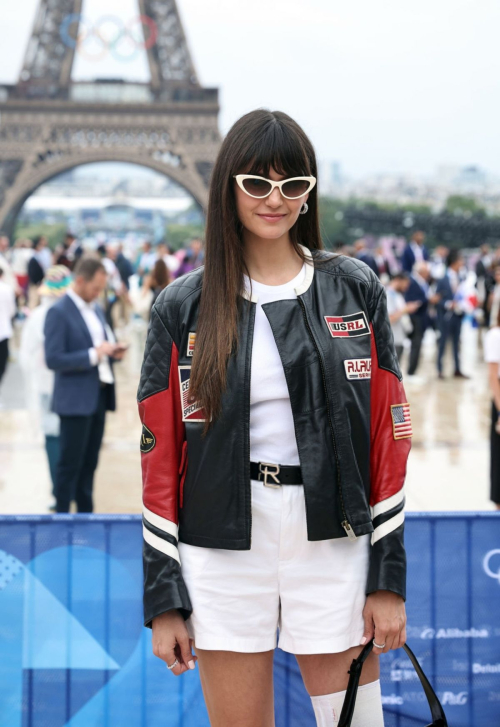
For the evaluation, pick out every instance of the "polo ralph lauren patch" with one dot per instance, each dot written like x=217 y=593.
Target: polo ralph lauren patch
x=358 y=368
x=354 y=324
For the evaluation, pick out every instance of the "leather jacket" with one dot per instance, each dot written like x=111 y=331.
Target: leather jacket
x=351 y=419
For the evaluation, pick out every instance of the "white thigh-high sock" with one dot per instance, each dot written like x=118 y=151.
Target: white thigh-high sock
x=367 y=712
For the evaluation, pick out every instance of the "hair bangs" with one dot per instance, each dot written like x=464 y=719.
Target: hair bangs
x=277 y=147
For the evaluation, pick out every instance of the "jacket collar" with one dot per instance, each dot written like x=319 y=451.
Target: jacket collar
x=305 y=285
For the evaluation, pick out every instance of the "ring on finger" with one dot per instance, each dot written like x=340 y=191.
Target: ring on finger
x=378 y=646
x=172 y=666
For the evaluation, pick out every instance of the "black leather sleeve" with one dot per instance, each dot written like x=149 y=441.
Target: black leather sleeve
x=390 y=442
x=387 y=569
x=163 y=445
x=164 y=587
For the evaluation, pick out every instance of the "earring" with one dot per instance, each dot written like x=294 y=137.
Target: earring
x=304 y=208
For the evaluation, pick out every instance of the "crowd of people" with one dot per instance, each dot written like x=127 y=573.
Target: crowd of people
x=425 y=292
x=72 y=305
x=434 y=292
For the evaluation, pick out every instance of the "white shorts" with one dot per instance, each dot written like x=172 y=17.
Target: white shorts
x=313 y=592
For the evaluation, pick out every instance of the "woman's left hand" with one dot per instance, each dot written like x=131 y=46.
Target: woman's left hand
x=385 y=620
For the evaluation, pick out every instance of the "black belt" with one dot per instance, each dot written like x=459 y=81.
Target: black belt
x=274 y=475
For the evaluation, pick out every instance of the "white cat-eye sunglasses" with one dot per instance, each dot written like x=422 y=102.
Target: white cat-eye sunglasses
x=260 y=187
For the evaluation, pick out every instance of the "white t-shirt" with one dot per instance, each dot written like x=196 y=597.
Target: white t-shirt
x=7 y=310
x=272 y=433
x=492 y=346
x=96 y=330
x=396 y=303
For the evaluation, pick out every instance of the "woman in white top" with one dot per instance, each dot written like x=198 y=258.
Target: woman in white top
x=320 y=584
x=39 y=380
x=492 y=358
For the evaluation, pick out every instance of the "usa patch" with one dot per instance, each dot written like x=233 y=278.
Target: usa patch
x=191 y=339
x=355 y=324
x=148 y=440
x=191 y=411
x=358 y=368
x=401 y=421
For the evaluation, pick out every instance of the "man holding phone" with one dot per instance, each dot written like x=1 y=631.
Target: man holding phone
x=81 y=349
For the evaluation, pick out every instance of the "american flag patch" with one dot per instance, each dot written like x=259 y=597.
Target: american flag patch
x=401 y=421
x=191 y=339
x=191 y=411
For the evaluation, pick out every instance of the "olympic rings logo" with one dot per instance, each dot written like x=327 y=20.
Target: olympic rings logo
x=108 y=35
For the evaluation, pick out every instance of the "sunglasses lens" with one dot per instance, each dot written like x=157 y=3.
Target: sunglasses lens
x=257 y=187
x=295 y=188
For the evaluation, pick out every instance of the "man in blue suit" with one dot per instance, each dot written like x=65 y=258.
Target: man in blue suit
x=78 y=348
x=418 y=290
x=414 y=252
x=450 y=312
x=363 y=254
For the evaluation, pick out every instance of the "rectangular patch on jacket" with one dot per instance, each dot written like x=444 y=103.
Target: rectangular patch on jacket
x=401 y=422
x=191 y=411
x=355 y=324
x=191 y=339
x=358 y=368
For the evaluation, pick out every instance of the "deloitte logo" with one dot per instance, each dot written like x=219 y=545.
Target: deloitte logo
x=485 y=668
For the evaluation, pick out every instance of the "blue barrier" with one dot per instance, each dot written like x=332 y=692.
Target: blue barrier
x=74 y=653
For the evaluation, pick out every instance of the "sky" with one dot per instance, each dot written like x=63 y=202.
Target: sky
x=391 y=86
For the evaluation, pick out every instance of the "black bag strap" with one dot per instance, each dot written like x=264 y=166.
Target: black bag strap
x=437 y=712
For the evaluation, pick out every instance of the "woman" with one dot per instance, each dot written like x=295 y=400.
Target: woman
x=160 y=278
x=399 y=311
x=22 y=253
x=263 y=447
x=492 y=358
x=39 y=380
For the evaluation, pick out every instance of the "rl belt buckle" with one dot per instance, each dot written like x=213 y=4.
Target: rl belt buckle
x=263 y=469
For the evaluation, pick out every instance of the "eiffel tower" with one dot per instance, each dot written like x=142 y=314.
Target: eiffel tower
x=50 y=124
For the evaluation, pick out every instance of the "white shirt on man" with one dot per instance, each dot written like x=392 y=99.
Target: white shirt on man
x=98 y=335
x=7 y=310
x=147 y=261
x=8 y=273
x=492 y=347
x=417 y=251
x=395 y=304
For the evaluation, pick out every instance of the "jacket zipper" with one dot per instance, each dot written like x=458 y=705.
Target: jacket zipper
x=345 y=522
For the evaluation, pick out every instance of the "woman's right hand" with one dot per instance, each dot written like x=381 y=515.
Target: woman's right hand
x=171 y=642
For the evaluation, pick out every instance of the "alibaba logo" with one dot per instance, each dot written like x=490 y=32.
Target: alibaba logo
x=488 y=566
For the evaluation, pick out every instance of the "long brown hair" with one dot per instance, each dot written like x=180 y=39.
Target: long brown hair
x=160 y=275
x=258 y=141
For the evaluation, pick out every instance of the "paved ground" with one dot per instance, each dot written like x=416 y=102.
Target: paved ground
x=447 y=470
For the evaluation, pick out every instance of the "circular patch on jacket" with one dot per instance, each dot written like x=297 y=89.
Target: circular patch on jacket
x=148 y=440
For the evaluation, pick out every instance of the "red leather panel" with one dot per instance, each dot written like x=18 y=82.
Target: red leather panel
x=162 y=414
x=387 y=455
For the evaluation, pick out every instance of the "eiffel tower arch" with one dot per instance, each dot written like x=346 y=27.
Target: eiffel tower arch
x=49 y=124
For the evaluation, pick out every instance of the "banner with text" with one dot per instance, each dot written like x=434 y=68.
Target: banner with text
x=74 y=652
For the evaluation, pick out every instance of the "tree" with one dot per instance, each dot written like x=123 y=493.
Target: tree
x=458 y=205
